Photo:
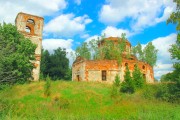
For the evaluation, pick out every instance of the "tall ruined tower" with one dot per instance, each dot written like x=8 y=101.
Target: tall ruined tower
x=31 y=27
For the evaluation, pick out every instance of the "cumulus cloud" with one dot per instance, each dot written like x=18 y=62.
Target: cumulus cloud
x=95 y=37
x=85 y=36
x=164 y=63
x=52 y=44
x=110 y=31
x=78 y=2
x=67 y=25
x=140 y=12
x=10 y=8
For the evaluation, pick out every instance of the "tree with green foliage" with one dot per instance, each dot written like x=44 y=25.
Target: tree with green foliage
x=150 y=54
x=16 y=52
x=47 y=87
x=115 y=86
x=110 y=51
x=83 y=51
x=117 y=80
x=45 y=63
x=138 y=52
x=59 y=64
x=94 y=50
x=102 y=48
x=175 y=48
x=127 y=85
x=56 y=65
x=175 y=52
x=138 y=77
x=169 y=77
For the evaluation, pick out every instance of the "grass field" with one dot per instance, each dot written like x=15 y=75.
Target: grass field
x=80 y=101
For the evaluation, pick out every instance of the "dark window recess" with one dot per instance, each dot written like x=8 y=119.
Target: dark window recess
x=104 y=75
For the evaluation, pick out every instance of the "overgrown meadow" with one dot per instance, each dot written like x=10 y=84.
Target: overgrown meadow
x=82 y=101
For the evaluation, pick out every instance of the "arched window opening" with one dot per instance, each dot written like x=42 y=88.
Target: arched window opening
x=28 y=30
x=126 y=64
x=131 y=58
x=31 y=21
x=143 y=67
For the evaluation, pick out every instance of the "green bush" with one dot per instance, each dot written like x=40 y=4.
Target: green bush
x=117 y=81
x=128 y=85
x=114 y=91
x=138 y=78
x=162 y=92
x=150 y=91
x=47 y=87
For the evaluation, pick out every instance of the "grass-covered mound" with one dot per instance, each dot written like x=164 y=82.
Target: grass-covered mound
x=81 y=101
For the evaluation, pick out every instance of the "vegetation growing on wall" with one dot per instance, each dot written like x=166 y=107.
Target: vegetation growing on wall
x=101 y=49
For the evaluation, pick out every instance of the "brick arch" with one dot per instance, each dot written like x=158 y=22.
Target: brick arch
x=30 y=24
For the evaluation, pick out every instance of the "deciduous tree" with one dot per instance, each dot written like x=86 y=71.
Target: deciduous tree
x=150 y=54
x=56 y=65
x=16 y=52
x=175 y=52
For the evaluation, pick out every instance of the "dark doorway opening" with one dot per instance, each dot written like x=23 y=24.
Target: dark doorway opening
x=104 y=75
x=78 y=78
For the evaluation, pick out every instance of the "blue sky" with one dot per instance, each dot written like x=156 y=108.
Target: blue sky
x=68 y=23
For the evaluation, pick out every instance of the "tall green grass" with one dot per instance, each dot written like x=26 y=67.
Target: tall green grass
x=81 y=101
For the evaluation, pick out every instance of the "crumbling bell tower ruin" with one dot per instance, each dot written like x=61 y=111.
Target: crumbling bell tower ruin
x=31 y=27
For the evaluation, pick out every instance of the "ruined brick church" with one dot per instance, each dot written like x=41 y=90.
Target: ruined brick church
x=106 y=70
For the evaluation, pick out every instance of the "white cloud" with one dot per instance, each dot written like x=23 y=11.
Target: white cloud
x=84 y=36
x=164 y=63
x=95 y=37
x=78 y=2
x=110 y=31
x=140 y=12
x=67 y=25
x=163 y=44
x=52 y=44
x=10 y=8
x=114 y=32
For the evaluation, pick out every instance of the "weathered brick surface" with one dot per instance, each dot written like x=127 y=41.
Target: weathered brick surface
x=35 y=26
x=91 y=70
